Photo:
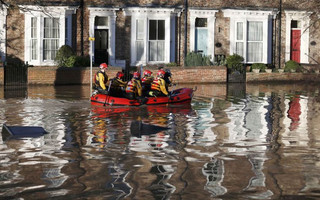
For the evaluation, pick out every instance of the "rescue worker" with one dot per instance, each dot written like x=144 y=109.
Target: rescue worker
x=167 y=77
x=101 y=79
x=146 y=81
x=133 y=88
x=118 y=85
x=158 y=86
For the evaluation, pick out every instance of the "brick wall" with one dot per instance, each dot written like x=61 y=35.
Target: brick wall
x=63 y=76
x=1 y=76
x=281 y=77
x=211 y=74
x=60 y=76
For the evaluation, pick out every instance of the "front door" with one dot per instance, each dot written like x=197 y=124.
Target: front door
x=101 y=45
x=295 y=45
x=201 y=45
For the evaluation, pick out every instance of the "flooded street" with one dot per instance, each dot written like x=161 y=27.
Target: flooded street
x=254 y=141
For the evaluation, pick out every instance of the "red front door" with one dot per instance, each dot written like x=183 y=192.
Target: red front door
x=295 y=45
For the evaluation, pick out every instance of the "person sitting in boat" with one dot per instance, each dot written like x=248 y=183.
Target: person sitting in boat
x=118 y=85
x=101 y=79
x=158 y=86
x=133 y=88
x=146 y=81
x=167 y=77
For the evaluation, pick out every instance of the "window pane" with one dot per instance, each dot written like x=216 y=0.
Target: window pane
x=152 y=50
x=140 y=50
x=140 y=30
x=255 y=31
x=34 y=49
x=51 y=28
x=33 y=27
x=160 y=51
x=46 y=46
x=201 y=22
x=161 y=29
x=295 y=24
x=152 y=29
x=47 y=25
x=255 y=52
x=101 y=21
x=55 y=28
x=239 y=48
x=54 y=48
x=239 y=31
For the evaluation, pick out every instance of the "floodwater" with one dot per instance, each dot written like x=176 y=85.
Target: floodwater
x=254 y=141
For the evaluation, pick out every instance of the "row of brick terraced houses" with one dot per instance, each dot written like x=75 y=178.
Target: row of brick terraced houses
x=134 y=32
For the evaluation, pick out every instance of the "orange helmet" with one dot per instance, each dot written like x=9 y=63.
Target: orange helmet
x=161 y=73
x=147 y=73
x=136 y=75
x=120 y=75
x=103 y=66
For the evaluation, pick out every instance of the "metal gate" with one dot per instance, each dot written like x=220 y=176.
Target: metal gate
x=15 y=80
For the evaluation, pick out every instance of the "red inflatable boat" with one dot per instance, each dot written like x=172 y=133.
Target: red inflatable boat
x=176 y=96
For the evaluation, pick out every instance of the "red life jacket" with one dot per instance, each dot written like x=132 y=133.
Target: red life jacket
x=130 y=87
x=155 y=85
x=143 y=79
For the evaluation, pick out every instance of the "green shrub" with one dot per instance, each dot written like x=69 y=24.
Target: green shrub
x=220 y=60
x=63 y=55
x=291 y=65
x=70 y=61
x=172 y=64
x=235 y=62
x=82 y=61
x=260 y=66
x=197 y=59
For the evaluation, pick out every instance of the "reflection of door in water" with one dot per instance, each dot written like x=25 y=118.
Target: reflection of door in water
x=294 y=112
x=295 y=45
x=201 y=40
x=101 y=46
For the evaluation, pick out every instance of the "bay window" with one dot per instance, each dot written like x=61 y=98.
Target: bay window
x=251 y=34
x=152 y=35
x=46 y=30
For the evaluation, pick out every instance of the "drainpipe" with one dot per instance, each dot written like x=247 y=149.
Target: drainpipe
x=81 y=25
x=279 y=39
x=185 y=28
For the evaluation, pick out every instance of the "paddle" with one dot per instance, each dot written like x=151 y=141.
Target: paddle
x=174 y=86
x=108 y=95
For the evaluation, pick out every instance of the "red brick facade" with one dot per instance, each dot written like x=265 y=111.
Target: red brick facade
x=15 y=23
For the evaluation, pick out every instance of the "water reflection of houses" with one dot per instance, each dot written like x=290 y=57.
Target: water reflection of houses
x=49 y=166
x=249 y=132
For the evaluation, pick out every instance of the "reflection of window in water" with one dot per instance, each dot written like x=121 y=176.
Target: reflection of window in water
x=54 y=177
x=201 y=128
x=160 y=188
x=118 y=182
x=214 y=172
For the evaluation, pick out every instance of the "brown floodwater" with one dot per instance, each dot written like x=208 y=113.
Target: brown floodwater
x=254 y=141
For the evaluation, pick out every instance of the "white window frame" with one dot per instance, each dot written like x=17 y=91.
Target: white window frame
x=112 y=16
x=246 y=16
x=211 y=20
x=60 y=12
x=3 y=32
x=304 y=18
x=146 y=14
